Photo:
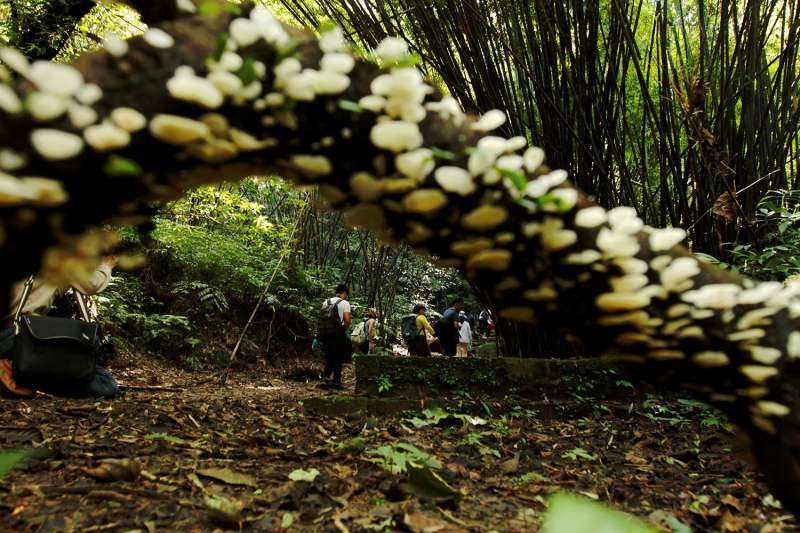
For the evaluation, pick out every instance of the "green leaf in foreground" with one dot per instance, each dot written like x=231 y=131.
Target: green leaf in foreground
x=517 y=178
x=220 y=45
x=121 y=166
x=9 y=459
x=247 y=72
x=568 y=512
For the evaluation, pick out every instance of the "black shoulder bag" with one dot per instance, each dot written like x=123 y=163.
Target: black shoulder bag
x=52 y=352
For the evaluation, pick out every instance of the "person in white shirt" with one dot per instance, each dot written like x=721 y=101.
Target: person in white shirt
x=336 y=344
x=464 y=338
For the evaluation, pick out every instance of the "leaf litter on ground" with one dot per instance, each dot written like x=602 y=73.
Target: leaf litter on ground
x=478 y=473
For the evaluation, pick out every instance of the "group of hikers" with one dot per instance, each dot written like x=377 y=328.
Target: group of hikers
x=453 y=330
x=28 y=337
x=452 y=333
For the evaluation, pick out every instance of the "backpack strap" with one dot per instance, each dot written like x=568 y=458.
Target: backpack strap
x=26 y=291
x=336 y=307
x=82 y=305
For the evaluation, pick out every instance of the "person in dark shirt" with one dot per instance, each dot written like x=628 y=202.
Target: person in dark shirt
x=450 y=326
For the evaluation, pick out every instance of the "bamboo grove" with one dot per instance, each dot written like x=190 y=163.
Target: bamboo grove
x=685 y=110
x=668 y=106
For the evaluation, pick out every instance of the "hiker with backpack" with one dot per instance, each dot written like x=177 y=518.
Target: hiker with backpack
x=449 y=327
x=332 y=325
x=363 y=336
x=415 y=328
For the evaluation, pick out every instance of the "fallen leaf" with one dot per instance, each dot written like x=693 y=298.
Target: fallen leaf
x=725 y=206
x=510 y=466
x=668 y=522
x=423 y=481
x=421 y=523
x=732 y=501
x=223 y=510
x=226 y=475
x=343 y=471
x=728 y=522
x=287 y=520
x=304 y=475
x=115 y=470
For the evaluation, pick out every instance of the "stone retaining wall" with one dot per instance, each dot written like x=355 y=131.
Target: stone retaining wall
x=425 y=377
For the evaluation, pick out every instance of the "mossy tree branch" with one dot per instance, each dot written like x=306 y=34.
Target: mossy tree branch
x=207 y=99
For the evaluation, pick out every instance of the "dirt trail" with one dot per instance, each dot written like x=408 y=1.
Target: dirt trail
x=204 y=457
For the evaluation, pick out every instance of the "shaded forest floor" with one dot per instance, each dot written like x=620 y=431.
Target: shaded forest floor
x=248 y=455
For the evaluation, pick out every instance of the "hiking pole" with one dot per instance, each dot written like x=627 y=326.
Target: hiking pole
x=235 y=350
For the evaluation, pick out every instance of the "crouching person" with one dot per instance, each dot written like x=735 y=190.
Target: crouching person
x=35 y=298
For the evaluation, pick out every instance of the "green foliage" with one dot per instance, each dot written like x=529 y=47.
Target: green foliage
x=201 y=296
x=398 y=456
x=131 y=325
x=575 y=453
x=529 y=478
x=121 y=166
x=199 y=253
x=10 y=459
x=384 y=383
x=434 y=416
x=776 y=256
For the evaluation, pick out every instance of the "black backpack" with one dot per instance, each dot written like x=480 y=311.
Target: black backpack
x=408 y=328
x=443 y=330
x=328 y=321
